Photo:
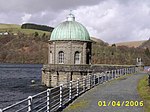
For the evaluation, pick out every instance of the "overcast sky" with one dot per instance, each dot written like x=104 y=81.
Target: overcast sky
x=110 y=20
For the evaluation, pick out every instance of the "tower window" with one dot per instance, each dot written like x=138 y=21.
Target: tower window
x=61 y=57
x=77 y=58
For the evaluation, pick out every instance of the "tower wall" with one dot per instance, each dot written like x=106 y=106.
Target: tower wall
x=69 y=48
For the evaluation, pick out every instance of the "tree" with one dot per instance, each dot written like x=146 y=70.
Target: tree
x=36 y=34
x=113 y=45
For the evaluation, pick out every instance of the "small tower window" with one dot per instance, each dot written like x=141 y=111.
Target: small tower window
x=77 y=58
x=61 y=57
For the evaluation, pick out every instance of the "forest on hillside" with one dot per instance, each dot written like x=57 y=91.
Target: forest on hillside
x=119 y=55
x=37 y=27
x=33 y=48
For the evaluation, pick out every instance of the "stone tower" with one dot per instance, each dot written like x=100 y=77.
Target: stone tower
x=69 y=50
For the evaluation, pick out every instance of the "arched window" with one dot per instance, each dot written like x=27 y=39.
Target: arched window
x=61 y=57
x=77 y=58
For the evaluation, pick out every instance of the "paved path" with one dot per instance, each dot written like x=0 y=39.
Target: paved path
x=123 y=89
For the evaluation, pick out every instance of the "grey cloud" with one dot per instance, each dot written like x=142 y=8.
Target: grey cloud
x=109 y=20
x=32 y=6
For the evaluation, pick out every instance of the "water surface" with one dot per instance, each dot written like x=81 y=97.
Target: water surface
x=15 y=82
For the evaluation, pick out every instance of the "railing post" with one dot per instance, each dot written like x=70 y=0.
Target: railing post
x=94 y=78
x=30 y=104
x=83 y=81
x=48 y=100
x=110 y=77
x=61 y=95
x=77 y=87
x=98 y=78
x=125 y=71
x=103 y=75
x=118 y=73
x=70 y=90
x=101 y=78
x=115 y=74
x=112 y=74
x=106 y=76
x=89 y=81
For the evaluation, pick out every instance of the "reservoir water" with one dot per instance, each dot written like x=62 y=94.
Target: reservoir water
x=15 y=82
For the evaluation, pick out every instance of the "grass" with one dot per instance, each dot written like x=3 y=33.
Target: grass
x=144 y=91
x=7 y=26
x=14 y=28
x=79 y=104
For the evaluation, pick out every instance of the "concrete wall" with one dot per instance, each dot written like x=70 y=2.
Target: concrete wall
x=52 y=77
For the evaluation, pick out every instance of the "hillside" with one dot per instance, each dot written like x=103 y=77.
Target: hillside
x=146 y=44
x=22 y=45
x=15 y=29
x=131 y=44
x=96 y=40
x=31 y=46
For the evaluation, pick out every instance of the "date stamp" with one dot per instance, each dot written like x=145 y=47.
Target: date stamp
x=120 y=103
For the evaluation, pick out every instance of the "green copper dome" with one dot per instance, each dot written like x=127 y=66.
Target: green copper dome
x=70 y=30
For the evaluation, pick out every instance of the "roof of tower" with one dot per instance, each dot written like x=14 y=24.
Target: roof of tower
x=70 y=30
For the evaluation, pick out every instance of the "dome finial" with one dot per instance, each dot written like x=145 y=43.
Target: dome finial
x=70 y=17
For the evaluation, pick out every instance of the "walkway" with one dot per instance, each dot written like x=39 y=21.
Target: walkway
x=123 y=89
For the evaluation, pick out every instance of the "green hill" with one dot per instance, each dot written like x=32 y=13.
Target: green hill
x=15 y=29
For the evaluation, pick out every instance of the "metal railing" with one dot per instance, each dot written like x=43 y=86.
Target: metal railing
x=56 y=98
